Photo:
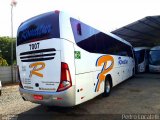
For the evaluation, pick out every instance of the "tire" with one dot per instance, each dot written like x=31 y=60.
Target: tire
x=107 y=88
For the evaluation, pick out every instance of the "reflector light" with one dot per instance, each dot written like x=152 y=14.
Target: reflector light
x=58 y=98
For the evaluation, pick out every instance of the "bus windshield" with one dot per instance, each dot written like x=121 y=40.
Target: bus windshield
x=154 y=57
x=44 y=26
x=140 y=56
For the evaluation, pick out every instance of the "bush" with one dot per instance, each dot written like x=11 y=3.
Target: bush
x=3 y=62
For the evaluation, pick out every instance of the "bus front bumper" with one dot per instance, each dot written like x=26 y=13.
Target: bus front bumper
x=154 y=68
x=65 y=98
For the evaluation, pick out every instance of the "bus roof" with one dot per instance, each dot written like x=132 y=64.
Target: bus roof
x=108 y=33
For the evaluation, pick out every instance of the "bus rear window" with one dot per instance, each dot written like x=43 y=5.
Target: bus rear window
x=44 y=26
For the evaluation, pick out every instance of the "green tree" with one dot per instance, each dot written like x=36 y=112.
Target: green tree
x=5 y=47
x=3 y=62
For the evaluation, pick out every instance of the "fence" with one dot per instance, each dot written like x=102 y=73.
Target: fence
x=6 y=75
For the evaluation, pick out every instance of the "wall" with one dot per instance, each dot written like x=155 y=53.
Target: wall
x=6 y=75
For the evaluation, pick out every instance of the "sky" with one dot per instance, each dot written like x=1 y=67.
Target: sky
x=106 y=15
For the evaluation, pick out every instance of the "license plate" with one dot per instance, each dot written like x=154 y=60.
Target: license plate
x=38 y=97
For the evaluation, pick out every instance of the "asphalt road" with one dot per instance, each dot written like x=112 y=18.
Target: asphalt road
x=139 y=96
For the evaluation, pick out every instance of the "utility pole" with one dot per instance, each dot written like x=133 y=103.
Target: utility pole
x=13 y=4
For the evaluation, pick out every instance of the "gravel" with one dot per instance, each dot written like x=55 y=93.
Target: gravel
x=139 y=95
x=11 y=101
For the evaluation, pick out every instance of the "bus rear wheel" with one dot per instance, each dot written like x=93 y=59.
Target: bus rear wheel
x=107 y=88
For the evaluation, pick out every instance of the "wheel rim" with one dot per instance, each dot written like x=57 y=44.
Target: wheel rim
x=108 y=87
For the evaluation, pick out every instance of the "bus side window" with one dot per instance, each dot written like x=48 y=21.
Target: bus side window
x=84 y=35
x=94 y=41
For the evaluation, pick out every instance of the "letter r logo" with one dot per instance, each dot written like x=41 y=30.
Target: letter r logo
x=35 y=68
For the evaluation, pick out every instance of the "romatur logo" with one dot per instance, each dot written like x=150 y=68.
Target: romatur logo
x=36 y=67
x=121 y=62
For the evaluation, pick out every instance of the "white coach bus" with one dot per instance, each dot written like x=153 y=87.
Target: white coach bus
x=64 y=62
x=154 y=59
x=141 y=58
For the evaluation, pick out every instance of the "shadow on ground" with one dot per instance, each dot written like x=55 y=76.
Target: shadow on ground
x=61 y=113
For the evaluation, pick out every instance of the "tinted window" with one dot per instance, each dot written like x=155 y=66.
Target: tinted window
x=86 y=39
x=140 y=55
x=95 y=41
x=41 y=27
x=154 y=57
